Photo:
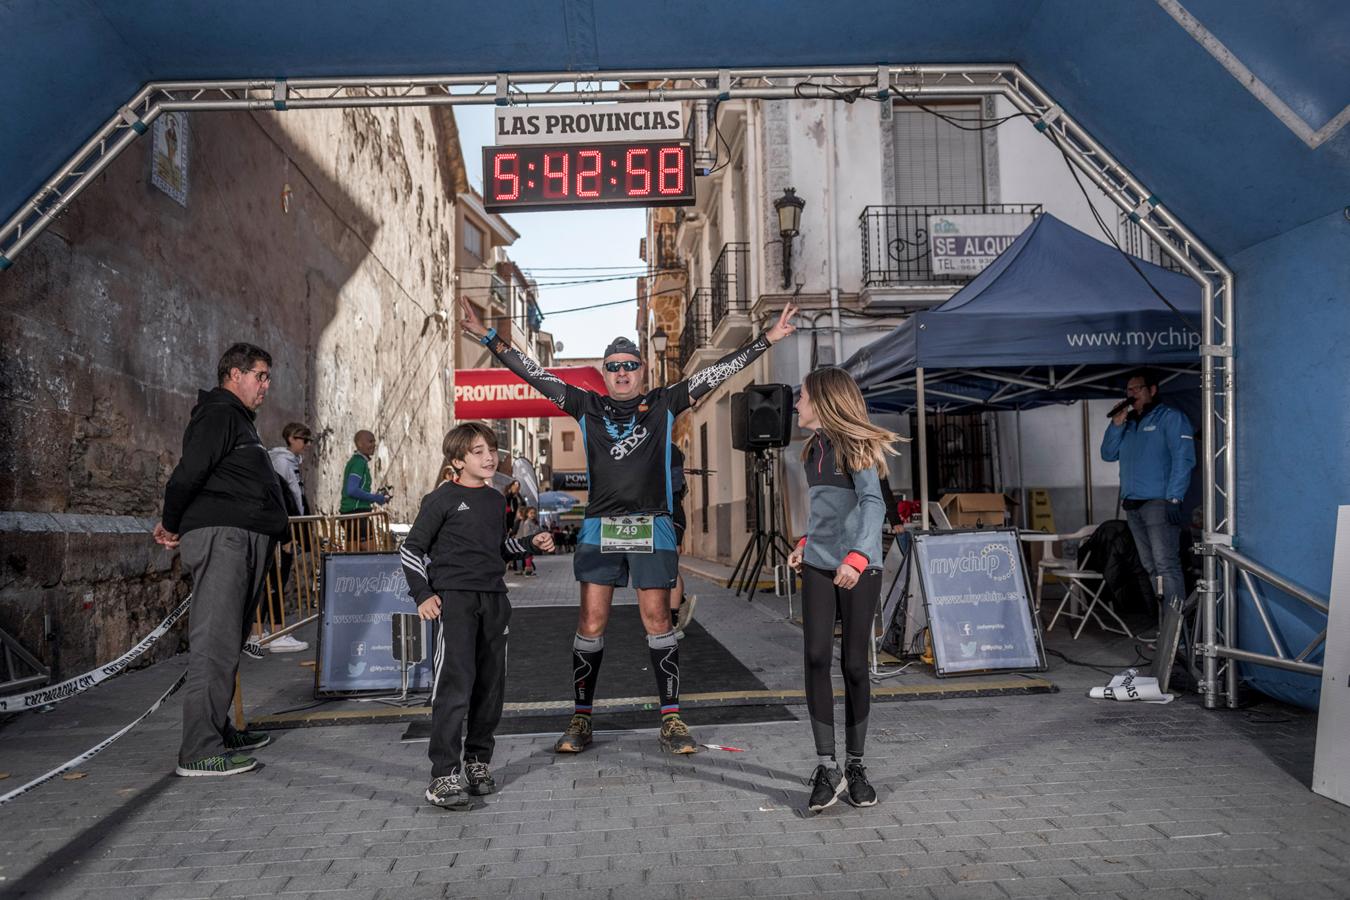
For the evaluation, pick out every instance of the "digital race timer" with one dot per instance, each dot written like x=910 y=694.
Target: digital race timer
x=577 y=176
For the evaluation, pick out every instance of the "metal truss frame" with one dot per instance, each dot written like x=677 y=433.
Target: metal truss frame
x=914 y=82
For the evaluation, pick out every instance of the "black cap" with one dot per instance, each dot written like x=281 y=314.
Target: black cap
x=622 y=345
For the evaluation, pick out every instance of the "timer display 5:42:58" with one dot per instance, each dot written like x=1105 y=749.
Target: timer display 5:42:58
x=573 y=176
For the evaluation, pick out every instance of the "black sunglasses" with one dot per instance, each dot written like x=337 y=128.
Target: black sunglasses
x=628 y=365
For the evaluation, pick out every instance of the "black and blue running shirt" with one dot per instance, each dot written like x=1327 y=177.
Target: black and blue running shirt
x=627 y=441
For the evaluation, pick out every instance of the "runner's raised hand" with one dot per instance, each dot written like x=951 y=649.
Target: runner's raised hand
x=783 y=327
x=472 y=324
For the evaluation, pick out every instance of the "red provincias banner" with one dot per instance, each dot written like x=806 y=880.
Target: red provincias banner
x=500 y=394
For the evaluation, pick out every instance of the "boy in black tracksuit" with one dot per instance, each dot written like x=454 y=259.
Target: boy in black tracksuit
x=459 y=528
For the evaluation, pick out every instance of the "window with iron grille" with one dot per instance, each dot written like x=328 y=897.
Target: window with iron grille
x=935 y=161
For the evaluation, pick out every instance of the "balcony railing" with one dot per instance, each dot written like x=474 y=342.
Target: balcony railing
x=697 y=332
x=729 y=276
x=895 y=248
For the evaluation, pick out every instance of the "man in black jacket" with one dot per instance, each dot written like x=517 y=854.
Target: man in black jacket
x=223 y=505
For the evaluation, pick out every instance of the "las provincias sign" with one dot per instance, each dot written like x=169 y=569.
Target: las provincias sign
x=500 y=394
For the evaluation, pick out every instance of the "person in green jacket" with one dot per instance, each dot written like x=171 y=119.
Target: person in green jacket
x=357 y=496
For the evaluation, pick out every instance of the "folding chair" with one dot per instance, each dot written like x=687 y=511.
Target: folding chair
x=1053 y=564
x=1086 y=586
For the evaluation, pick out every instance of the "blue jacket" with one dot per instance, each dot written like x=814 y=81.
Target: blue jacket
x=1156 y=453
x=846 y=512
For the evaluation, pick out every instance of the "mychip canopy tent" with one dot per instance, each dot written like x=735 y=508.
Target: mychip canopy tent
x=1059 y=316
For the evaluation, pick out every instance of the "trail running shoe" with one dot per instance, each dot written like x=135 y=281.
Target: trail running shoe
x=827 y=786
x=860 y=792
x=479 y=779
x=675 y=736
x=253 y=646
x=247 y=740
x=448 y=792
x=576 y=738
x=218 y=766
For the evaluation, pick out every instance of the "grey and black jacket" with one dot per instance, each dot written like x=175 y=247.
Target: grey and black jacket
x=846 y=512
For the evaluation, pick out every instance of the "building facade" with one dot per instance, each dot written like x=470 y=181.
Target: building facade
x=873 y=179
x=323 y=236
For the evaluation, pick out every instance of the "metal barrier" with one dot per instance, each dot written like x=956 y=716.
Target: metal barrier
x=299 y=569
x=1249 y=571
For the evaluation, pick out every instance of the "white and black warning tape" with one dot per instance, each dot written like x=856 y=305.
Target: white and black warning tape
x=81 y=683
x=94 y=750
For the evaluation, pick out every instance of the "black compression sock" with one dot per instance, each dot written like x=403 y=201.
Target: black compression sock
x=586 y=655
x=665 y=651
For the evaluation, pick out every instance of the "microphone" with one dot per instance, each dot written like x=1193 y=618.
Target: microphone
x=1116 y=410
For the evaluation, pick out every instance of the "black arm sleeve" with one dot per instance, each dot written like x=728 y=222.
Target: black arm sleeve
x=563 y=395
x=702 y=382
x=205 y=443
x=412 y=554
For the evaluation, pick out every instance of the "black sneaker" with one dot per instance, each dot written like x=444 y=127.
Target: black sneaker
x=247 y=740
x=675 y=736
x=860 y=792
x=576 y=738
x=253 y=648
x=448 y=792
x=827 y=786
x=479 y=779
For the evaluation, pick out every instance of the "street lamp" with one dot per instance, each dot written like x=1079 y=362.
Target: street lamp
x=659 y=341
x=789 y=209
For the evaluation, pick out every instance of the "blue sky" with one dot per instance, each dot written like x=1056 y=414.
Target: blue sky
x=553 y=244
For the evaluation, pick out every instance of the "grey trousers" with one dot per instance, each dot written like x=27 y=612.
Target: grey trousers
x=228 y=566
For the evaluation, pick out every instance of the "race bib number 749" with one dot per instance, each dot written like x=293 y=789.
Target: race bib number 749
x=626 y=534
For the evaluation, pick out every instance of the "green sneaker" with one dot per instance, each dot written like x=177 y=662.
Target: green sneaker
x=247 y=740
x=218 y=766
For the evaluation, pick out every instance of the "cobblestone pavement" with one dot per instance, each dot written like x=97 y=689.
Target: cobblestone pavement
x=1015 y=796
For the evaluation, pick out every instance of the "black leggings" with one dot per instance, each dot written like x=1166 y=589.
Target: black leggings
x=857 y=607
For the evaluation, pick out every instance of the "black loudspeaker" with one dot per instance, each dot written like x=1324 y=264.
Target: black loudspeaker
x=761 y=417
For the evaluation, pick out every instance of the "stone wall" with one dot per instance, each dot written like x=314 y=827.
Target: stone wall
x=326 y=237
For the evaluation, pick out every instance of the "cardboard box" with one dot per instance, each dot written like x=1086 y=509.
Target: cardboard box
x=975 y=510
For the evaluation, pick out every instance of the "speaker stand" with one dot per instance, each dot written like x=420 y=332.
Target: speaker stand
x=765 y=545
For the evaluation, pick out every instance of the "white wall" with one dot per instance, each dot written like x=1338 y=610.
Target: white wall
x=1052 y=458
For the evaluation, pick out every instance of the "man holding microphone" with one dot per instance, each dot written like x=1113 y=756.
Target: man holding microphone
x=1155 y=446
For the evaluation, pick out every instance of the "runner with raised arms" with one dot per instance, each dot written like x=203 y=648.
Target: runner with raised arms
x=627 y=533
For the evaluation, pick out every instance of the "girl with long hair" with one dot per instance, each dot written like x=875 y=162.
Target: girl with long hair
x=839 y=559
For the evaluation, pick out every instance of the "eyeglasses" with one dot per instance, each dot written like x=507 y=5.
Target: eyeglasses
x=263 y=375
x=628 y=365
x=305 y=440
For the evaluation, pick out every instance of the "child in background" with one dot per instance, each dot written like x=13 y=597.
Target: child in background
x=455 y=558
x=529 y=526
x=840 y=562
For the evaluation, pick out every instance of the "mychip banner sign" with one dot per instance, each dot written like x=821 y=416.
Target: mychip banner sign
x=966 y=244
x=359 y=596
x=975 y=593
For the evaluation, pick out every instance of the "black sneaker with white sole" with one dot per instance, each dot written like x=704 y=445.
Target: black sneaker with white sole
x=253 y=648
x=828 y=784
x=860 y=791
x=217 y=766
x=478 y=779
x=448 y=792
